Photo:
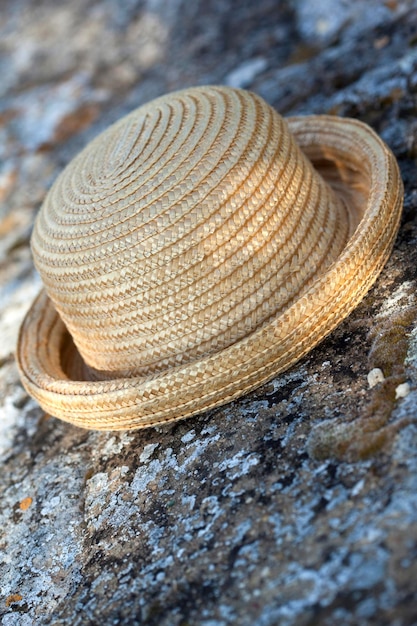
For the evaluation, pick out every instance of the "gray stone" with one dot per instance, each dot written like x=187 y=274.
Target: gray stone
x=295 y=505
x=243 y=75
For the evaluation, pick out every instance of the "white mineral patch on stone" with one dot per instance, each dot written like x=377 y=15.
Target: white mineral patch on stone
x=241 y=461
x=358 y=487
x=147 y=452
x=153 y=471
x=375 y=376
x=9 y=416
x=50 y=505
x=188 y=436
x=412 y=348
x=188 y=501
x=19 y=297
x=243 y=75
x=402 y=391
x=193 y=451
x=115 y=444
x=404 y=291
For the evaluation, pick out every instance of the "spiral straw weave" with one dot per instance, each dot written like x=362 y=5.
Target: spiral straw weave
x=192 y=251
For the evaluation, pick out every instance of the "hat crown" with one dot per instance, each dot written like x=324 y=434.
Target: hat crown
x=181 y=229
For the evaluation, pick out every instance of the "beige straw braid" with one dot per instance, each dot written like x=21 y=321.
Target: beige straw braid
x=193 y=252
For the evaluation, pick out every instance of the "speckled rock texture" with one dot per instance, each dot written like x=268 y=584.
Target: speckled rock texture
x=294 y=506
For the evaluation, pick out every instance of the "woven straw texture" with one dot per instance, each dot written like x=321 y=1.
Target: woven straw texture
x=195 y=249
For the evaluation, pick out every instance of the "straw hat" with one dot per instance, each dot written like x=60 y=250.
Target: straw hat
x=197 y=248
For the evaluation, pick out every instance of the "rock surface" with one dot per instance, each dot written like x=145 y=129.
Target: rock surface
x=296 y=505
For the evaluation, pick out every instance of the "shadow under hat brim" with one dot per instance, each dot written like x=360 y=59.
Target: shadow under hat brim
x=364 y=174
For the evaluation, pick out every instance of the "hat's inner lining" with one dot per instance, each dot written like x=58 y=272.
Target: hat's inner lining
x=350 y=184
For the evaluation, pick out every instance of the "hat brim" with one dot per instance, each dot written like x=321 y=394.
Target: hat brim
x=364 y=174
